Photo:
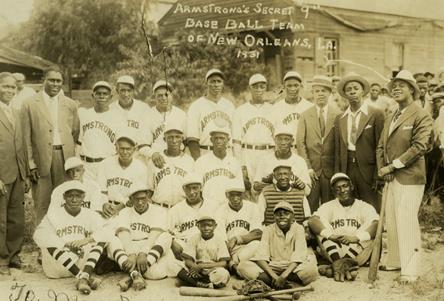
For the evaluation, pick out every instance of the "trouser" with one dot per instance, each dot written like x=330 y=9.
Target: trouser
x=12 y=220
x=320 y=191
x=244 y=252
x=91 y=170
x=403 y=232
x=332 y=251
x=251 y=158
x=217 y=276
x=41 y=191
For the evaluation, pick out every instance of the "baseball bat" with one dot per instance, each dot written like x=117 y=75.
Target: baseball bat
x=264 y=295
x=377 y=242
x=204 y=292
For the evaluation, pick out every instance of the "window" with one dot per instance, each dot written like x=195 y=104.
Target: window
x=331 y=51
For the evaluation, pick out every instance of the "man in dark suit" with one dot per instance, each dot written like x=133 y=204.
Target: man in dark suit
x=357 y=134
x=13 y=177
x=51 y=127
x=315 y=141
x=400 y=157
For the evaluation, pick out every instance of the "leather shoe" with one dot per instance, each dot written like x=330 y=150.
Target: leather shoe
x=15 y=263
x=4 y=270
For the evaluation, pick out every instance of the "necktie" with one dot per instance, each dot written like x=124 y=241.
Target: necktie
x=397 y=114
x=354 y=128
x=322 y=121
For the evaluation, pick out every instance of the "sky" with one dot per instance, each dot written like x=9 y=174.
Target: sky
x=15 y=11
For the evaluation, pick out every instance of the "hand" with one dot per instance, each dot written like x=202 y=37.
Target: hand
x=313 y=177
x=390 y=177
x=298 y=184
x=142 y=263
x=77 y=244
x=195 y=271
x=378 y=184
x=268 y=179
x=279 y=282
x=247 y=183
x=336 y=238
x=258 y=186
x=27 y=184
x=3 y=190
x=349 y=239
x=108 y=210
x=158 y=160
x=342 y=268
x=177 y=250
x=232 y=242
x=130 y=264
x=34 y=175
x=385 y=171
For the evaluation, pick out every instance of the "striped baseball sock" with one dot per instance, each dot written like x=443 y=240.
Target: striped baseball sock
x=331 y=248
x=353 y=250
x=93 y=257
x=66 y=259
x=154 y=254
x=120 y=257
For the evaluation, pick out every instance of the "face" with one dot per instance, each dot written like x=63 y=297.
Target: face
x=292 y=87
x=235 y=199
x=431 y=88
x=215 y=85
x=53 y=83
x=283 y=142
x=140 y=201
x=375 y=91
x=282 y=176
x=283 y=218
x=125 y=93
x=173 y=139
x=163 y=98
x=438 y=102
x=423 y=88
x=206 y=228
x=320 y=95
x=193 y=192
x=76 y=173
x=8 y=89
x=20 y=83
x=73 y=200
x=343 y=190
x=219 y=141
x=401 y=90
x=258 y=90
x=354 y=91
x=102 y=95
x=125 y=150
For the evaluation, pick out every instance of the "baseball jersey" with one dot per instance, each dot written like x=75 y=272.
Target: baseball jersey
x=253 y=124
x=117 y=181
x=346 y=220
x=217 y=174
x=158 y=121
x=182 y=219
x=285 y=114
x=167 y=182
x=202 y=115
x=98 y=132
x=205 y=251
x=241 y=222
x=137 y=119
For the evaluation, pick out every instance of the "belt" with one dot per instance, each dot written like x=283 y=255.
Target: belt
x=351 y=155
x=57 y=147
x=161 y=205
x=207 y=147
x=257 y=147
x=91 y=160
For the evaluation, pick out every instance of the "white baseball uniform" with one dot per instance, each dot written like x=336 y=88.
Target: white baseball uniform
x=158 y=121
x=285 y=114
x=167 y=182
x=217 y=174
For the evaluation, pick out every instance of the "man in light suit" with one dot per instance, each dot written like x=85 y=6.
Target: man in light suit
x=400 y=158
x=357 y=134
x=51 y=128
x=315 y=141
x=13 y=177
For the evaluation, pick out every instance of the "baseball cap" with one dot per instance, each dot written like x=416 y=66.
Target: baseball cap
x=72 y=185
x=126 y=79
x=234 y=185
x=127 y=138
x=137 y=187
x=192 y=178
x=72 y=162
x=338 y=176
x=421 y=79
x=173 y=126
x=257 y=78
x=205 y=217
x=283 y=205
x=437 y=95
x=282 y=165
x=162 y=83
x=220 y=126
x=213 y=72
x=283 y=130
x=293 y=74
x=102 y=83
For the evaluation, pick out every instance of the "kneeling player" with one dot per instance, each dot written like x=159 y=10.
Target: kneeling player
x=344 y=228
x=71 y=239
x=206 y=256
x=282 y=255
x=143 y=247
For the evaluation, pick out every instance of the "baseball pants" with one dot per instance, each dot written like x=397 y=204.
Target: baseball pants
x=361 y=252
x=251 y=158
x=245 y=252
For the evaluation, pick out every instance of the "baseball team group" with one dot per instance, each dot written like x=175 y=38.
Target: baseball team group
x=281 y=192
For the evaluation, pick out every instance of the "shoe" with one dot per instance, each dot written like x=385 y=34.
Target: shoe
x=4 y=270
x=125 y=283
x=387 y=268
x=138 y=282
x=404 y=279
x=83 y=286
x=94 y=282
x=204 y=284
x=15 y=262
x=39 y=257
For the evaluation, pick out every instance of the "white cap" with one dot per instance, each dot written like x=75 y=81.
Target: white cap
x=72 y=162
x=128 y=137
x=126 y=79
x=234 y=185
x=206 y=217
x=137 y=187
x=283 y=130
x=212 y=72
x=338 y=176
x=173 y=126
x=192 y=178
x=293 y=74
x=102 y=83
x=257 y=78
x=72 y=185
x=162 y=83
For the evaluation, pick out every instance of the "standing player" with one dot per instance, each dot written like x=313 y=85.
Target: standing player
x=253 y=128
x=205 y=112
x=166 y=182
x=71 y=239
x=98 y=128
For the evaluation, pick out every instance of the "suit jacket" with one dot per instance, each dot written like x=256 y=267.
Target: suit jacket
x=319 y=154
x=408 y=142
x=13 y=158
x=38 y=127
x=369 y=130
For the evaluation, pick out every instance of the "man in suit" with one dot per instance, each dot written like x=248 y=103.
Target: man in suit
x=51 y=128
x=357 y=134
x=13 y=177
x=400 y=158
x=315 y=141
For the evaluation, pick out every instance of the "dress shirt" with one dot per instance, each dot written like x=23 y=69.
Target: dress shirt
x=8 y=112
x=396 y=163
x=363 y=109
x=53 y=106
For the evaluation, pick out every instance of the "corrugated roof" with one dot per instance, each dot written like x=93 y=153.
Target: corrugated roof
x=19 y=58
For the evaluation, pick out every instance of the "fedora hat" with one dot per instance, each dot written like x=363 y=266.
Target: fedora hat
x=406 y=76
x=322 y=80
x=353 y=77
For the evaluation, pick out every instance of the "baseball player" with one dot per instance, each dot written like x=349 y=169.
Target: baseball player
x=143 y=248
x=94 y=199
x=182 y=218
x=166 y=182
x=241 y=222
x=253 y=128
x=118 y=173
x=206 y=256
x=287 y=112
x=344 y=226
x=205 y=112
x=71 y=239
x=217 y=167
x=282 y=254
x=98 y=129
